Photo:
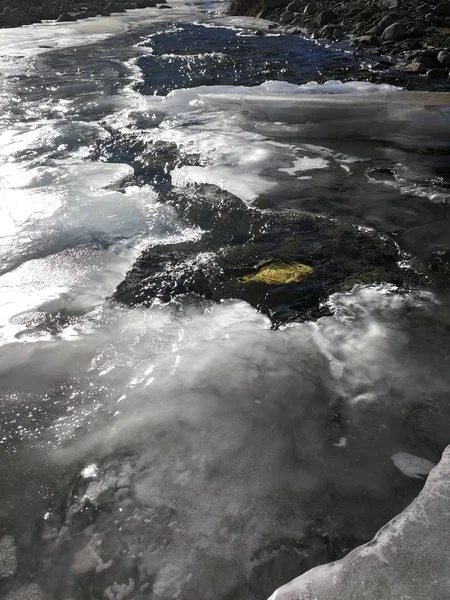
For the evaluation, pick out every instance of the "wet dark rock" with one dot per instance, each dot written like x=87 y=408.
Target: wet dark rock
x=390 y=4
x=243 y=252
x=393 y=33
x=437 y=74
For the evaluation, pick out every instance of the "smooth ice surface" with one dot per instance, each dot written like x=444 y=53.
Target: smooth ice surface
x=408 y=558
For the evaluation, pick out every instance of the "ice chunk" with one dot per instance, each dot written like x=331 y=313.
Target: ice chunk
x=408 y=558
x=412 y=466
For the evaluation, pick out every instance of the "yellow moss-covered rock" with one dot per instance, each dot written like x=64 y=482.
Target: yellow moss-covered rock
x=278 y=273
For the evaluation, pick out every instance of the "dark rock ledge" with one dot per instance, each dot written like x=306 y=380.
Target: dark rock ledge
x=15 y=13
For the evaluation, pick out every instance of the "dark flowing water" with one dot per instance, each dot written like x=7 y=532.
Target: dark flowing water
x=189 y=449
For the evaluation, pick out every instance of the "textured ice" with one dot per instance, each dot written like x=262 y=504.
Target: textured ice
x=241 y=136
x=8 y=556
x=27 y=592
x=407 y=559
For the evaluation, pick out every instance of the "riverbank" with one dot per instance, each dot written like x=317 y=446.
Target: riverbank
x=418 y=36
x=28 y=12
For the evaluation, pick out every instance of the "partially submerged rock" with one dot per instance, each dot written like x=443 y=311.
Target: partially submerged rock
x=285 y=264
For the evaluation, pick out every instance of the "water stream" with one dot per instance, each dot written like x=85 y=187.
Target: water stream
x=190 y=449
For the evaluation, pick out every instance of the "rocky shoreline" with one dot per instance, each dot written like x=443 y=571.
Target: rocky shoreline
x=417 y=33
x=15 y=13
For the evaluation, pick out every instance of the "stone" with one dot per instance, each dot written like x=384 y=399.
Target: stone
x=417 y=32
x=424 y=8
x=442 y=9
x=366 y=40
x=385 y=22
x=332 y=31
x=437 y=74
x=325 y=17
x=295 y=5
x=8 y=557
x=393 y=33
x=426 y=60
x=278 y=273
x=366 y=14
x=415 y=67
x=444 y=58
x=310 y=9
x=241 y=244
x=287 y=16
